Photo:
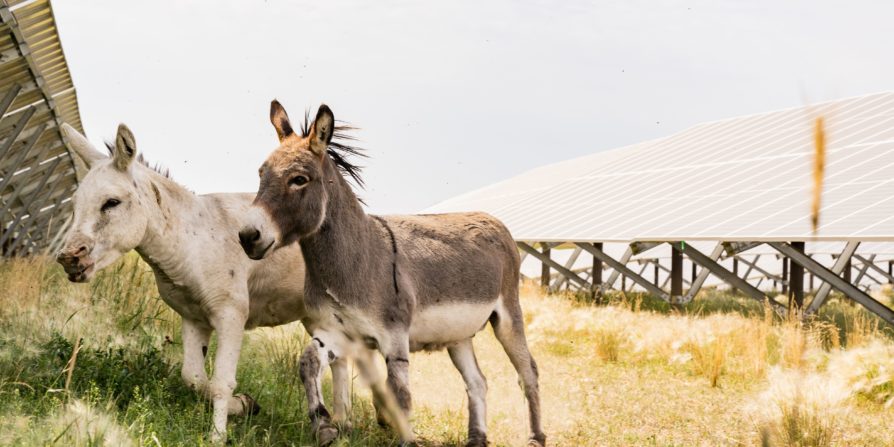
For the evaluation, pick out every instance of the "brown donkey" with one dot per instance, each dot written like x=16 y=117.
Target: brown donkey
x=396 y=283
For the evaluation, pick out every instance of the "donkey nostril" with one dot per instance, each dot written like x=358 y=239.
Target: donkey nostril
x=82 y=249
x=248 y=236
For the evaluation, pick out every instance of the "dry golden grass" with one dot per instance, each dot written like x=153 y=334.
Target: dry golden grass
x=613 y=375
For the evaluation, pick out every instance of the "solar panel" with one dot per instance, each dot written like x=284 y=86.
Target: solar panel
x=739 y=179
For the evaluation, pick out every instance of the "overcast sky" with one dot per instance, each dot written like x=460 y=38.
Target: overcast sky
x=452 y=96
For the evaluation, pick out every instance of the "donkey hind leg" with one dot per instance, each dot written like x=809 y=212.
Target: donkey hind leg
x=384 y=400
x=195 y=349
x=310 y=366
x=463 y=356
x=341 y=393
x=508 y=324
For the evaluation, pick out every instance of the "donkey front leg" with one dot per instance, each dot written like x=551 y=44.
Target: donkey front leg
x=341 y=393
x=310 y=366
x=230 y=325
x=195 y=349
x=387 y=408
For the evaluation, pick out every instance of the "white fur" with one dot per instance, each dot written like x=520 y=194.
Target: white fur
x=202 y=273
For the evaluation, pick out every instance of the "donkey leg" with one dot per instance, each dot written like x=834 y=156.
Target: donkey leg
x=195 y=348
x=463 y=356
x=508 y=324
x=397 y=361
x=383 y=399
x=230 y=325
x=341 y=393
x=310 y=366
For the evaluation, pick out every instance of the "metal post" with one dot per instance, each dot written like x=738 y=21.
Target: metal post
x=846 y=274
x=676 y=273
x=735 y=271
x=837 y=282
x=694 y=272
x=544 y=269
x=657 y=271
x=796 y=279
x=597 y=271
x=890 y=271
x=785 y=275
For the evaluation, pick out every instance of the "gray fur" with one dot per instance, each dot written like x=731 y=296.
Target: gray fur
x=406 y=278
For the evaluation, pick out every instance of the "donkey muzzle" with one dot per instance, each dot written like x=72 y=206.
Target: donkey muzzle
x=76 y=262
x=253 y=244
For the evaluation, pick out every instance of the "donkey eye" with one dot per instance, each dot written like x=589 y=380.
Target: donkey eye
x=298 y=180
x=111 y=203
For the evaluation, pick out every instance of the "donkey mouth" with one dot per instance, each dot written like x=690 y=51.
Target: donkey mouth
x=257 y=255
x=80 y=274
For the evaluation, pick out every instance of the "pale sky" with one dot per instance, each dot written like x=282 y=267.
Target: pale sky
x=452 y=96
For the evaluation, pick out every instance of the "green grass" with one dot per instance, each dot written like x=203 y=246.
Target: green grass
x=634 y=371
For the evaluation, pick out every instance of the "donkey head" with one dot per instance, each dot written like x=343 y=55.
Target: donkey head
x=109 y=215
x=295 y=181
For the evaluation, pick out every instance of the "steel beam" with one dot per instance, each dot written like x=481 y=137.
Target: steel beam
x=702 y=274
x=8 y=98
x=726 y=275
x=876 y=268
x=597 y=271
x=37 y=192
x=836 y=281
x=17 y=129
x=544 y=267
x=23 y=154
x=622 y=269
x=625 y=258
x=676 y=274
x=546 y=260
x=796 y=279
x=842 y=262
x=560 y=280
x=58 y=239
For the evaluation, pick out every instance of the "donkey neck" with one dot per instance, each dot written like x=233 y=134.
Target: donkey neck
x=170 y=208
x=343 y=249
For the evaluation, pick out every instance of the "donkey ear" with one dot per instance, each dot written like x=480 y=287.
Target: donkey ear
x=280 y=120
x=322 y=129
x=125 y=148
x=79 y=144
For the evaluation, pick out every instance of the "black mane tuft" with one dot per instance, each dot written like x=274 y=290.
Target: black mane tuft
x=340 y=149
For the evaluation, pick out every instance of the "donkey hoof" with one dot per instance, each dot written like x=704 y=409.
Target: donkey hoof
x=477 y=442
x=249 y=404
x=326 y=434
x=536 y=442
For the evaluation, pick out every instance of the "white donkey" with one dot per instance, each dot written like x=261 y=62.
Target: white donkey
x=190 y=242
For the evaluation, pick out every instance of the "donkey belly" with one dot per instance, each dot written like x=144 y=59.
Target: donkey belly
x=437 y=326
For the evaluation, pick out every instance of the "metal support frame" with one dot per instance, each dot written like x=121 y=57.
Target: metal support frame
x=561 y=279
x=622 y=269
x=39 y=221
x=559 y=267
x=9 y=97
x=35 y=194
x=875 y=267
x=23 y=154
x=702 y=274
x=596 y=276
x=842 y=262
x=726 y=275
x=17 y=129
x=625 y=258
x=835 y=281
x=676 y=274
x=544 y=267
x=796 y=278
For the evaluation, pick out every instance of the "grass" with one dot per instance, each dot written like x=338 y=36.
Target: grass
x=98 y=364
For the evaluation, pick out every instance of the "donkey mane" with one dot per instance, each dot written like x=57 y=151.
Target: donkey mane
x=340 y=149
x=164 y=172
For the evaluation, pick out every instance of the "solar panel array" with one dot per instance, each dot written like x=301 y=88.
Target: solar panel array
x=39 y=175
x=740 y=179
